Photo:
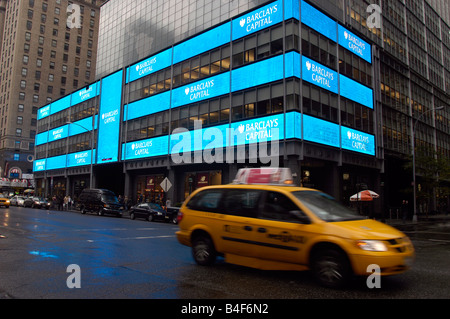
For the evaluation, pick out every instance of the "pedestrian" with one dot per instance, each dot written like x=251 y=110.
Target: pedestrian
x=69 y=202
x=129 y=203
x=404 y=209
x=168 y=203
x=66 y=203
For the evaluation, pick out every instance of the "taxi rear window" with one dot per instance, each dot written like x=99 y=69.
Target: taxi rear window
x=206 y=201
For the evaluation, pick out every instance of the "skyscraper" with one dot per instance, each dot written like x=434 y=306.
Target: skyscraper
x=48 y=49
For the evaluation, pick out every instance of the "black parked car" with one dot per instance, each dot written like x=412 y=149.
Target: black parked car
x=149 y=211
x=100 y=201
x=172 y=212
x=36 y=202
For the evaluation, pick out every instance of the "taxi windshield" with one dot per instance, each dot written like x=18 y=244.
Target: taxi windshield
x=326 y=207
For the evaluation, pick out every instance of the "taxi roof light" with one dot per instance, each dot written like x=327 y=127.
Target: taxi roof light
x=264 y=176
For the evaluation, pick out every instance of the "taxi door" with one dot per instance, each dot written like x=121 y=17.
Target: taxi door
x=281 y=235
x=240 y=209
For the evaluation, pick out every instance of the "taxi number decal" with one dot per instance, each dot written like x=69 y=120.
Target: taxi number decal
x=286 y=237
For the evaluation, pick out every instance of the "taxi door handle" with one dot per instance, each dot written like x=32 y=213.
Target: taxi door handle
x=261 y=230
x=249 y=228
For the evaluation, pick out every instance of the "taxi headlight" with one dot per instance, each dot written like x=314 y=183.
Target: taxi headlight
x=371 y=245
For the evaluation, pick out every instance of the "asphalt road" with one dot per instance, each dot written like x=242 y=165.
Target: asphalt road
x=136 y=259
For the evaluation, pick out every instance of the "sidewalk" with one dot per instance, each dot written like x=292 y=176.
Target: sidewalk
x=421 y=220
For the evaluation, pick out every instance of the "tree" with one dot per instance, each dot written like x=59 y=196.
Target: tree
x=432 y=179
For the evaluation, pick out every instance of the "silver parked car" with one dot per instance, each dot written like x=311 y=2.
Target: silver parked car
x=17 y=201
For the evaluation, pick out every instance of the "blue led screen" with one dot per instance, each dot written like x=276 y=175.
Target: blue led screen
x=357 y=141
x=41 y=138
x=148 y=66
x=43 y=112
x=291 y=9
x=109 y=118
x=145 y=148
x=318 y=21
x=58 y=133
x=59 y=105
x=200 y=139
x=257 y=73
x=201 y=90
x=355 y=91
x=202 y=43
x=55 y=162
x=149 y=105
x=319 y=75
x=39 y=165
x=259 y=19
x=82 y=126
x=85 y=94
x=293 y=125
x=320 y=131
x=80 y=158
x=264 y=129
x=354 y=44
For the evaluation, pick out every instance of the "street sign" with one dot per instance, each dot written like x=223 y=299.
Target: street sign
x=166 y=185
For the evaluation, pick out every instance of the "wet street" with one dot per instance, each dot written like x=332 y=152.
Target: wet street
x=123 y=258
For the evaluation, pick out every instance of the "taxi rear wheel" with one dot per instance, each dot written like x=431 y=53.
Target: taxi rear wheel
x=203 y=251
x=331 y=268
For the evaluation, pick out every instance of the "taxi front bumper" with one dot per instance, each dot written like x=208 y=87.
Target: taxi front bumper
x=391 y=264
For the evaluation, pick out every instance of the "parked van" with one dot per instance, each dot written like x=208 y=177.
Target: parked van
x=263 y=221
x=100 y=201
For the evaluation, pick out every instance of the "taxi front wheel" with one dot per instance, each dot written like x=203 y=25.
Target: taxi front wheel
x=331 y=268
x=203 y=251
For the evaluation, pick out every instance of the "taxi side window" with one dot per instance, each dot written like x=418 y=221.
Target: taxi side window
x=206 y=201
x=241 y=202
x=277 y=207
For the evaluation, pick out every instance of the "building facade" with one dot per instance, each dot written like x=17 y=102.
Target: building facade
x=42 y=59
x=285 y=83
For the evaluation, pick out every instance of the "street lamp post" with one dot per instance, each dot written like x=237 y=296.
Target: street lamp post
x=92 y=151
x=414 y=159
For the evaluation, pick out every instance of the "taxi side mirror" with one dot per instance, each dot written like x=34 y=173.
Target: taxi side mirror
x=300 y=216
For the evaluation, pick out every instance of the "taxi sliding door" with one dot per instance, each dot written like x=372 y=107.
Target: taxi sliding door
x=239 y=208
x=281 y=235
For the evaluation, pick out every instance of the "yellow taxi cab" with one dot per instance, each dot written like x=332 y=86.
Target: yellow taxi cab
x=265 y=222
x=4 y=202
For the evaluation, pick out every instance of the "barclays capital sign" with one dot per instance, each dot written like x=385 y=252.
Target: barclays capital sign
x=354 y=44
x=319 y=75
x=259 y=19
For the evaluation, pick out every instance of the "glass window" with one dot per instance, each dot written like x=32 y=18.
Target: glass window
x=206 y=201
x=278 y=206
x=325 y=207
x=241 y=202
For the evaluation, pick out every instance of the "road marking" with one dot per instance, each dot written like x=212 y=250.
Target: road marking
x=132 y=238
